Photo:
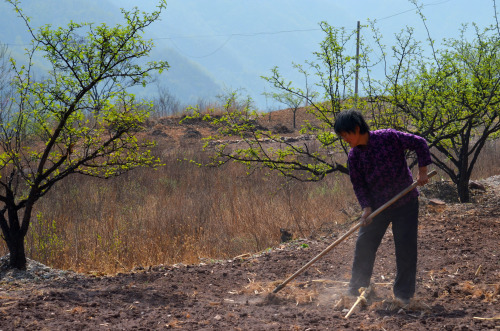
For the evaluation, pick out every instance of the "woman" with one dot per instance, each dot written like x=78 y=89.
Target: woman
x=378 y=171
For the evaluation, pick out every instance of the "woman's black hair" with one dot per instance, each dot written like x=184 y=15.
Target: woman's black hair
x=347 y=120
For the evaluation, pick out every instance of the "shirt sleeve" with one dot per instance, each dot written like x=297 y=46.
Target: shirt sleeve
x=358 y=183
x=418 y=144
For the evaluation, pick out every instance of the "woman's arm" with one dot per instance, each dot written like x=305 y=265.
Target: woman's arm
x=419 y=145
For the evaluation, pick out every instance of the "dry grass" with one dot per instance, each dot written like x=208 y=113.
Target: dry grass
x=487 y=164
x=179 y=213
x=483 y=292
x=297 y=292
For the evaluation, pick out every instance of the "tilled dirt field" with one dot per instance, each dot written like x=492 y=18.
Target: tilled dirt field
x=458 y=286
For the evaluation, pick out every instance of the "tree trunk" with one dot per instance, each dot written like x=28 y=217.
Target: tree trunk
x=14 y=232
x=463 y=189
x=17 y=252
x=463 y=173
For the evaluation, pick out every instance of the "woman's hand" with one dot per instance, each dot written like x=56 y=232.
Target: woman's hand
x=364 y=217
x=422 y=178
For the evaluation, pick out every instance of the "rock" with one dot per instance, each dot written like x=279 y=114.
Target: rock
x=476 y=186
x=281 y=129
x=159 y=132
x=436 y=202
x=285 y=235
x=435 y=205
x=192 y=134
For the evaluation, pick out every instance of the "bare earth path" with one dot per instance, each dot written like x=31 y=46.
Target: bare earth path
x=458 y=286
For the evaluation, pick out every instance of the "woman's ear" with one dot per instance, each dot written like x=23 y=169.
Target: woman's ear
x=357 y=129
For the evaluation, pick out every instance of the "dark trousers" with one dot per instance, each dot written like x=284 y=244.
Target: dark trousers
x=404 y=221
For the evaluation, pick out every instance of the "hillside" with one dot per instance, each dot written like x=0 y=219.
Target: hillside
x=171 y=134
x=458 y=280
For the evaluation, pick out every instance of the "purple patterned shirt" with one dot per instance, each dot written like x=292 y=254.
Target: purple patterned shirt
x=379 y=170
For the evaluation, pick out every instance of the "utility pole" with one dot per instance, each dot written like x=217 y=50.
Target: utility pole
x=357 y=67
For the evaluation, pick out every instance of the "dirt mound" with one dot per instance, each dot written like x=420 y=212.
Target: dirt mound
x=458 y=286
x=446 y=191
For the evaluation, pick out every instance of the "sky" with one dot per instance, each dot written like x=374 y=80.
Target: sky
x=227 y=28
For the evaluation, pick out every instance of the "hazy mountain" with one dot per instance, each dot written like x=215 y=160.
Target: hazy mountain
x=186 y=80
x=213 y=45
x=237 y=42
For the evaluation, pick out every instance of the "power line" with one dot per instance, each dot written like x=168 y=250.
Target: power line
x=202 y=56
x=229 y=37
x=248 y=34
x=254 y=34
x=409 y=10
x=15 y=45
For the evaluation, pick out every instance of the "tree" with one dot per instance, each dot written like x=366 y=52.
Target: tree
x=320 y=152
x=292 y=100
x=166 y=103
x=451 y=97
x=78 y=119
x=5 y=76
